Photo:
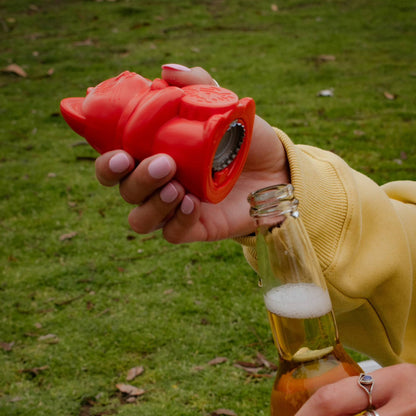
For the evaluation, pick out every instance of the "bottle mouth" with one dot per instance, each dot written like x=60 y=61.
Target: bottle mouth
x=229 y=146
x=279 y=199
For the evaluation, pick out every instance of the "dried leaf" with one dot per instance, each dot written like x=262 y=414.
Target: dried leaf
x=6 y=346
x=86 y=42
x=131 y=399
x=79 y=143
x=389 y=95
x=31 y=334
x=129 y=389
x=248 y=369
x=268 y=364
x=15 y=69
x=218 y=360
x=15 y=399
x=49 y=338
x=46 y=337
x=34 y=371
x=274 y=7
x=68 y=236
x=134 y=372
x=403 y=155
x=326 y=58
x=226 y=412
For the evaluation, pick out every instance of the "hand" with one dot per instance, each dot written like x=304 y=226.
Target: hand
x=393 y=394
x=162 y=202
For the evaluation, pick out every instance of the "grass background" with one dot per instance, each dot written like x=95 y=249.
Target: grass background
x=77 y=313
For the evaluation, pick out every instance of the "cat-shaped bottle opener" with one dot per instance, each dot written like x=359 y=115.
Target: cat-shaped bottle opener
x=207 y=130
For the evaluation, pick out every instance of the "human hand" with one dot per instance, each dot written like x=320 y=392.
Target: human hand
x=393 y=394
x=162 y=202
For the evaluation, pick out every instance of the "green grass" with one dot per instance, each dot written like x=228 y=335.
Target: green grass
x=113 y=300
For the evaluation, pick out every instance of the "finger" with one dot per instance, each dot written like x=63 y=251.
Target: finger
x=180 y=75
x=157 y=210
x=150 y=175
x=342 y=398
x=184 y=226
x=402 y=390
x=111 y=167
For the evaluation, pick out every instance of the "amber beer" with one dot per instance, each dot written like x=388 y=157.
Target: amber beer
x=305 y=333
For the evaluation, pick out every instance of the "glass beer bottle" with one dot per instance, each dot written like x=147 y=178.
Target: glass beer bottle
x=297 y=302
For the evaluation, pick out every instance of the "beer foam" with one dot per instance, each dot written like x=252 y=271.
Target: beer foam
x=298 y=300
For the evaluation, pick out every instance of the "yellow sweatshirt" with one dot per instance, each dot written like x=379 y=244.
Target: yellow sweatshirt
x=365 y=238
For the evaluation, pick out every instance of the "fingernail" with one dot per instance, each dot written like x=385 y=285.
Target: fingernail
x=187 y=205
x=160 y=167
x=119 y=163
x=176 y=67
x=168 y=194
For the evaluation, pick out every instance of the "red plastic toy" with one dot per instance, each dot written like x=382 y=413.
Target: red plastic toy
x=206 y=129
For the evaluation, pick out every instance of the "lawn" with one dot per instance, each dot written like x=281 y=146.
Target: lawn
x=84 y=300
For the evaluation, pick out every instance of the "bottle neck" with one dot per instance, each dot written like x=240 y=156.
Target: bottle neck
x=284 y=251
x=295 y=292
x=273 y=204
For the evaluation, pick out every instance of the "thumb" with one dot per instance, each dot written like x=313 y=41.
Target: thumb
x=179 y=75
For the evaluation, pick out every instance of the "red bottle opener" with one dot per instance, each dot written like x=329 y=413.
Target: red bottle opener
x=207 y=130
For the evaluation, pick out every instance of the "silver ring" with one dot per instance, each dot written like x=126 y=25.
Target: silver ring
x=366 y=382
x=371 y=413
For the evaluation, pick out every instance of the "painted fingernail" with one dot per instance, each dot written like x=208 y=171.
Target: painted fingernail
x=176 y=67
x=168 y=194
x=160 y=167
x=187 y=205
x=119 y=163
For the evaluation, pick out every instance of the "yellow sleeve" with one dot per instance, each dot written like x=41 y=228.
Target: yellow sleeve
x=365 y=239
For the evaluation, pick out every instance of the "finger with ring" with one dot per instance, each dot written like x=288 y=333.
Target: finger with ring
x=366 y=382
